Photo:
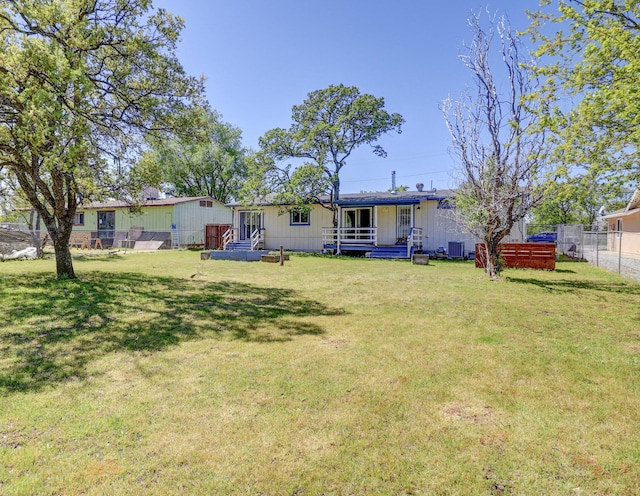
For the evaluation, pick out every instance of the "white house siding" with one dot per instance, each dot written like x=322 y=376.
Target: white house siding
x=386 y=223
x=439 y=228
x=279 y=231
x=190 y=219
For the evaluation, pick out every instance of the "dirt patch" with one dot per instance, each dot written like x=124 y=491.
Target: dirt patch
x=477 y=414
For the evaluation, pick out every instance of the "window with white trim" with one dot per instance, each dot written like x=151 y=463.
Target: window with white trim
x=299 y=218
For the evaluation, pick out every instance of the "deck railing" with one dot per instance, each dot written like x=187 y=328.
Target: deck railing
x=349 y=235
x=229 y=236
x=257 y=238
x=414 y=240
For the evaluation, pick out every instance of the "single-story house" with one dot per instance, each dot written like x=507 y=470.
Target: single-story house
x=156 y=223
x=624 y=227
x=386 y=224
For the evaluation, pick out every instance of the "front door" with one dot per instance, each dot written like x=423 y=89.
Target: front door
x=106 y=224
x=249 y=222
x=403 y=223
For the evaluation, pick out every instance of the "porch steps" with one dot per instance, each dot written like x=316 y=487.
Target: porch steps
x=395 y=251
x=239 y=246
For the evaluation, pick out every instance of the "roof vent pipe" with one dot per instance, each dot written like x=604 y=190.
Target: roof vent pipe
x=393 y=182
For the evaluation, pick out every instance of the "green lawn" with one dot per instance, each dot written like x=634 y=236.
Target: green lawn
x=159 y=373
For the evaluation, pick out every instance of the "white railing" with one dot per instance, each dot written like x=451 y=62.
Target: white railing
x=349 y=235
x=257 y=238
x=229 y=236
x=414 y=240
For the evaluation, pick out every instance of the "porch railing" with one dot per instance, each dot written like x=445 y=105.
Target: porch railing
x=229 y=236
x=349 y=235
x=414 y=240
x=257 y=238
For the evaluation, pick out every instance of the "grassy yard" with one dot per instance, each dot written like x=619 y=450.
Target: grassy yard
x=159 y=373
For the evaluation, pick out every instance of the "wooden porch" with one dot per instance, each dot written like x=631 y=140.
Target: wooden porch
x=365 y=239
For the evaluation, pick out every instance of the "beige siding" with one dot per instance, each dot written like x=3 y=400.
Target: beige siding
x=440 y=228
x=386 y=224
x=279 y=231
x=191 y=216
x=630 y=237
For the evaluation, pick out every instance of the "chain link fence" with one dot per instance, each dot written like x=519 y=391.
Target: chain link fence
x=616 y=251
x=567 y=237
x=17 y=237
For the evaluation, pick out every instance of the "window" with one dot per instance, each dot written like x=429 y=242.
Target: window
x=78 y=219
x=300 y=218
x=206 y=203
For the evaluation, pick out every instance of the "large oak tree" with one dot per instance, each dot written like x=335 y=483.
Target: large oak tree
x=326 y=128
x=82 y=82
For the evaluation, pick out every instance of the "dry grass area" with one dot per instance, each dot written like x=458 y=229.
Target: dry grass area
x=159 y=373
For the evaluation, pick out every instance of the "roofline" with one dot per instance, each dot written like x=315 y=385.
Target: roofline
x=162 y=202
x=621 y=213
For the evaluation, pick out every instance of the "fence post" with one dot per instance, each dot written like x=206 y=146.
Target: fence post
x=619 y=252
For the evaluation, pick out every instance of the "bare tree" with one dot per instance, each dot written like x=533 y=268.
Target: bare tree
x=495 y=140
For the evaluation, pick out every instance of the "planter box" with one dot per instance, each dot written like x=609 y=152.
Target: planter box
x=420 y=259
x=273 y=258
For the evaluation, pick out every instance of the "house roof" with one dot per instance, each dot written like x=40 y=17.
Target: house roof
x=632 y=207
x=621 y=213
x=162 y=202
x=372 y=198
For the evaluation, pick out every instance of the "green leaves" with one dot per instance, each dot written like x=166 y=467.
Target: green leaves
x=593 y=57
x=211 y=163
x=325 y=130
x=82 y=84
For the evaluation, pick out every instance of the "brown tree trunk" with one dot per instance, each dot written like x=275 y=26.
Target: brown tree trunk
x=64 y=263
x=493 y=249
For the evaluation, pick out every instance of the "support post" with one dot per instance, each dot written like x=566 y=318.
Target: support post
x=281 y=255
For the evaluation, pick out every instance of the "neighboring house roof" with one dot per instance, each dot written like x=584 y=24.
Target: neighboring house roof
x=374 y=198
x=632 y=207
x=163 y=202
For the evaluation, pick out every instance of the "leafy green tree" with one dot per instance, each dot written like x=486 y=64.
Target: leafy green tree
x=590 y=98
x=211 y=163
x=492 y=139
x=82 y=82
x=329 y=125
x=576 y=200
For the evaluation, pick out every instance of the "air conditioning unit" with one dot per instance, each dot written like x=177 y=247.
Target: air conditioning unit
x=456 y=249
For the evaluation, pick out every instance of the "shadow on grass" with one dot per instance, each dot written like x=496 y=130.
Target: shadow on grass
x=51 y=330
x=567 y=285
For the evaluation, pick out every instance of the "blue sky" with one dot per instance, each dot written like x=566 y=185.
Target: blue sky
x=260 y=57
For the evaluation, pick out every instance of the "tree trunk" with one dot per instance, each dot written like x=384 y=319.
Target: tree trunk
x=64 y=263
x=492 y=257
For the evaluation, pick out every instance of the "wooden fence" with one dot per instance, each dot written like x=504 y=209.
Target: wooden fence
x=522 y=255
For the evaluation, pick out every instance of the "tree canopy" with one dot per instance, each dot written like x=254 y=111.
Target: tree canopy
x=211 y=163
x=82 y=82
x=494 y=139
x=591 y=104
x=326 y=128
